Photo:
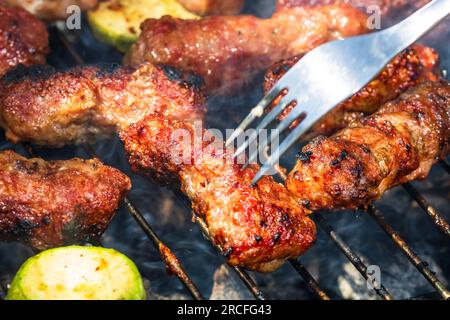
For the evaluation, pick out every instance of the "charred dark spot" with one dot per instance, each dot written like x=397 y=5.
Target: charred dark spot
x=46 y=220
x=189 y=80
x=194 y=81
x=306 y=204
x=335 y=162
x=25 y=224
x=343 y=155
x=228 y=252
x=172 y=73
x=418 y=116
x=304 y=156
x=263 y=224
x=106 y=69
x=283 y=68
x=258 y=238
x=277 y=237
x=365 y=149
x=408 y=147
x=34 y=73
x=357 y=170
x=26 y=167
x=284 y=218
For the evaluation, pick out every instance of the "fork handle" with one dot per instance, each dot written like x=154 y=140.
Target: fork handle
x=423 y=20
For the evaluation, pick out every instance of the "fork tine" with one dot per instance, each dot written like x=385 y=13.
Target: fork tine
x=256 y=112
x=285 y=101
x=292 y=137
x=283 y=125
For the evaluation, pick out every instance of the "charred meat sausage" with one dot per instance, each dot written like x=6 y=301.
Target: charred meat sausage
x=54 y=108
x=23 y=39
x=409 y=68
x=258 y=227
x=397 y=144
x=228 y=51
x=51 y=9
x=50 y=204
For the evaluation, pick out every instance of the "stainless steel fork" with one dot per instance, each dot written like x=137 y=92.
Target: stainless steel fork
x=330 y=74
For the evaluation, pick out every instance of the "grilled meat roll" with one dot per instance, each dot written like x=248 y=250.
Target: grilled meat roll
x=258 y=227
x=23 y=39
x=228 y=51
x=409 y=68
x=51 y=9
x=397 y=144
x=54 y=108
x=50 y=204
x=213 y=7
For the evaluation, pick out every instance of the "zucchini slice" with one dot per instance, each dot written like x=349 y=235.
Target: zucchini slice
x=117 y=22
x=77 y=273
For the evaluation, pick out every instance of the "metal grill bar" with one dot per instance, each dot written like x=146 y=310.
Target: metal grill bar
x=437 y=218
x=351 y=256
x=310 y=281
x=172 y=263
x=421 y=265
x=243 y=275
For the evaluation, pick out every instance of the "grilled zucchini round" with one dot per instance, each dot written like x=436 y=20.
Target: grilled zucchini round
x=77 y=273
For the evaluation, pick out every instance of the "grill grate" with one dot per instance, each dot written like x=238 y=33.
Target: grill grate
x=174 y=265
x=312 y=284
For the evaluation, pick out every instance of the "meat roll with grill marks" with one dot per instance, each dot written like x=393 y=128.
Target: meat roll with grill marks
x=23 y=39
x=47 y=204
x=413 y=66
x=53 y=108
x=258 y=227
x=397 y=144
x=227 y=51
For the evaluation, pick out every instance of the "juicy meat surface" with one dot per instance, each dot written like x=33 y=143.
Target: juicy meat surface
x=413 y=66
x=228 y=51
x=257 y=227
x=397 y=144
x=387 y=7
x=53 y=108
x=55 y=203
x=23 y=39
x=213 y=7
x=51 y=9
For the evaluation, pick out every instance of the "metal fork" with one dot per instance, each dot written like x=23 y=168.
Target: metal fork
x=328 y=75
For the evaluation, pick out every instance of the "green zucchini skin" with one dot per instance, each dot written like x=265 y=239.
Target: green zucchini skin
x=78 y=273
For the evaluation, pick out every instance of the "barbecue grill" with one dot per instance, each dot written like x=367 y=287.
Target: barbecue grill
x=194 y=260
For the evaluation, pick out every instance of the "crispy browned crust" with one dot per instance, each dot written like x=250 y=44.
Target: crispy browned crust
x=409 y=68
x=50 y=204
x=387 y=7
x=228 y=51
x=23 y=39
x=47 y=107
x=51 y=9
x=258 y=227
x=391 y=11
x=213 y=7
x=397 y=144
